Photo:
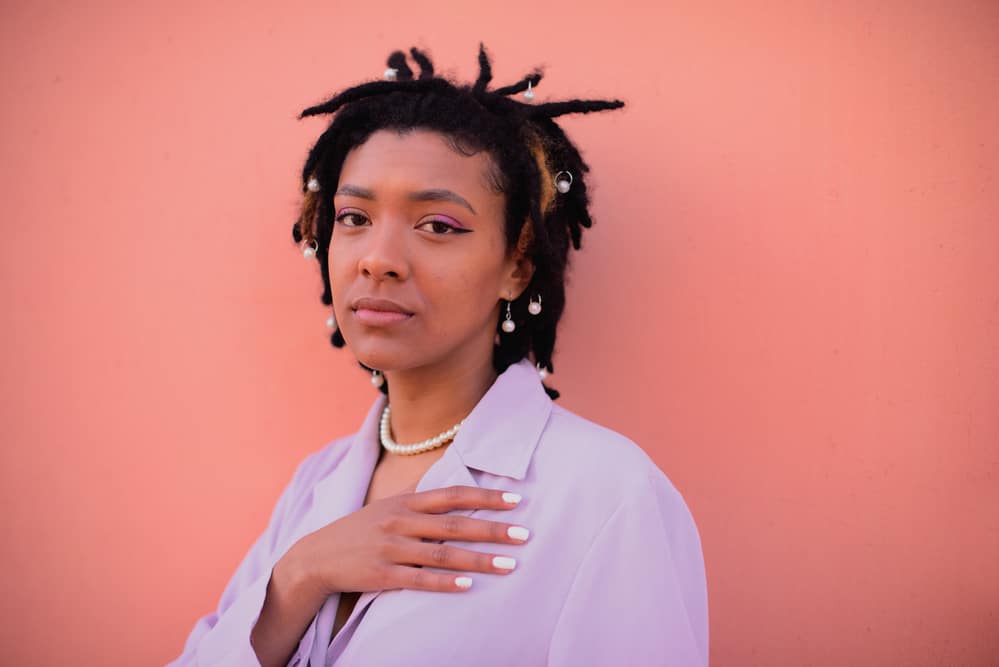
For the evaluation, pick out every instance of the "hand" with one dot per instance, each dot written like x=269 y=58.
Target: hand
x=378 y=546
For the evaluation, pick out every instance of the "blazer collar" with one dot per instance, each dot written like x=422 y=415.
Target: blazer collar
x=500 y=434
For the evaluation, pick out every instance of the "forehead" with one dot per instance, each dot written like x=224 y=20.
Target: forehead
x=416 y=159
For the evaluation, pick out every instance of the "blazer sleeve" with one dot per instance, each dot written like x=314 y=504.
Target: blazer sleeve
x=221 y=638
x=640 y=594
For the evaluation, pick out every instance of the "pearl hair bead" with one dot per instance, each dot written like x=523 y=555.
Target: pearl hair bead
x=417 y=447
x=313 y=185
x=529 y=93
x=310 y=250
x=563 y=181
x=391 y=74
x=331 y=321
x=542 y=371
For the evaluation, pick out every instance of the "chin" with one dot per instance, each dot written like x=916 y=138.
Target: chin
x=384 y=355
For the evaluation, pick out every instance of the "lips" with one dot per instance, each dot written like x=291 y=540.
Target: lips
x=384 y=305
x=379 y=312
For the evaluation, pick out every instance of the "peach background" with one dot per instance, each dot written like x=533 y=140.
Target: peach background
x=790 y=299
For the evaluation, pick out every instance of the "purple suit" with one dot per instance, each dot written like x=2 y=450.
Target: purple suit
x=612 y=574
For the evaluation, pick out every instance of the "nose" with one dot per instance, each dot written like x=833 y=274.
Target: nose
x=384 y=256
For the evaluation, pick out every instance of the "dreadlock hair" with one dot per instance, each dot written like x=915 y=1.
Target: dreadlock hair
x=527 y=149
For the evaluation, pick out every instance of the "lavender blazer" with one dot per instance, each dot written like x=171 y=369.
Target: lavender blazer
x=612 y=574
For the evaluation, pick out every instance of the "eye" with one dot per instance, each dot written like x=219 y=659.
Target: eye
x=443 y=227
x=351 y=219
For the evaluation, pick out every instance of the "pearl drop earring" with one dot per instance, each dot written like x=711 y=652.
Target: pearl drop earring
x=377 y=378
x=331 y=321
x=563 y=181
x=508 y=323
x=313 y=185
x=534 y=307
x=310 y=249
x=542 y=371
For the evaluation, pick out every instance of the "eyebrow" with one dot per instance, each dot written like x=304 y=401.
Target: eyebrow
x=436 y=194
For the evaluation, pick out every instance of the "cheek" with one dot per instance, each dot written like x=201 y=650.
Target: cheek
x=340 y=274
x=337 y=266
x=474 y=278
x=462 y=295
x=343 y=256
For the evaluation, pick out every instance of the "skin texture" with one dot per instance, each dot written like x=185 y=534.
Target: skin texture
x=438 y=361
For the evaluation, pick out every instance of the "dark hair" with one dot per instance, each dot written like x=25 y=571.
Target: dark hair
x=527 y=149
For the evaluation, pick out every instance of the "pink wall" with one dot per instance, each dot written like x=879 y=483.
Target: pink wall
x=793 y=286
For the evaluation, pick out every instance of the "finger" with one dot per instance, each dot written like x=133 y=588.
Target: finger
x=463 y=528
x=438 y=501
x=418 y=579
x=448 y=557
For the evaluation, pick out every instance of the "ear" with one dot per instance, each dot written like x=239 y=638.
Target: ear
x=518 y=269
x=518 y=276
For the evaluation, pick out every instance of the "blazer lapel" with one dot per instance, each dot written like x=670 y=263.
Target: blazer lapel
x=343 y=489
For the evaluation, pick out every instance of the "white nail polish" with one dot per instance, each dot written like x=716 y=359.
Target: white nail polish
x=504 y=562
x=463 y=582
x=511 y=497
x=518 y=533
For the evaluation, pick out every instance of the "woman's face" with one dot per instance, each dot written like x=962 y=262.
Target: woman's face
x=418 y=259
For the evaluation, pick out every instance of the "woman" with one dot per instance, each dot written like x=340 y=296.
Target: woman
x=441 y=217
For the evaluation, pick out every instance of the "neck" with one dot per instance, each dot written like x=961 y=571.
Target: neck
x=431 y=399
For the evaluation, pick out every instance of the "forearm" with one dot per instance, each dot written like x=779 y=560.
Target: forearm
x=289 y=606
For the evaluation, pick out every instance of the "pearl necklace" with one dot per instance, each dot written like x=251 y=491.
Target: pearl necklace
x=417 y=447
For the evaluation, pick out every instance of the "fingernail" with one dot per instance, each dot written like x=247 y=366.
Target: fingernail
x=511 y=497
x=518 y=533
x=463 y=582
x=504 y=562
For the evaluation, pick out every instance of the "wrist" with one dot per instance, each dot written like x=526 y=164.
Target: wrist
x=293 y=578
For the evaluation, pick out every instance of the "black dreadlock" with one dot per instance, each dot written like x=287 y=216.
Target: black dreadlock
x=527 y=148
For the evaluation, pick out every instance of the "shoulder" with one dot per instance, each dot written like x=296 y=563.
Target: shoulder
x=316 y=465
x=599 y=466
x=296 y=498
x=599 y=454
x=321 y=462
